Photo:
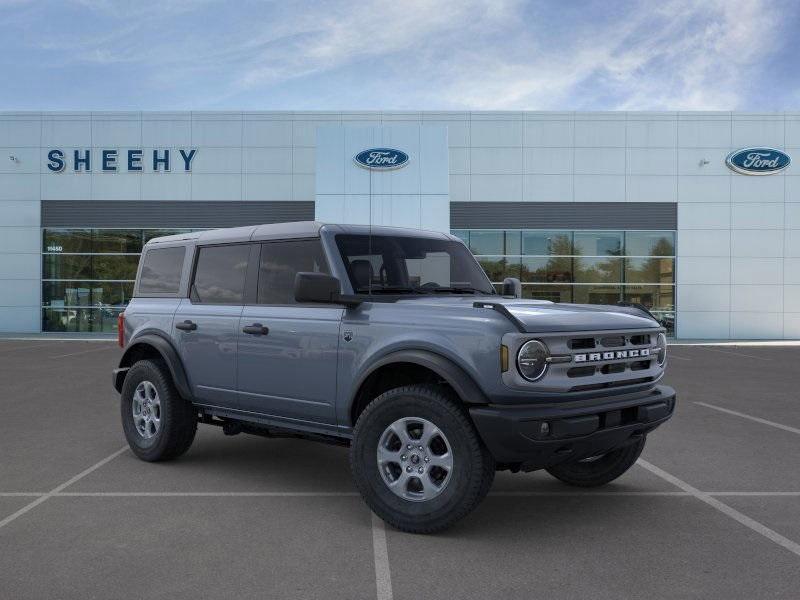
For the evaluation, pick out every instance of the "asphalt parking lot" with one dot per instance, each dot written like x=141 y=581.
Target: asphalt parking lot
x=711 y=511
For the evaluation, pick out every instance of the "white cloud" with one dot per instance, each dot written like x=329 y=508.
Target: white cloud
x=473 y=54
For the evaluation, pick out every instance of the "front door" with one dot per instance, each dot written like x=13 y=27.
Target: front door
x=207 y=323
x=288 y=352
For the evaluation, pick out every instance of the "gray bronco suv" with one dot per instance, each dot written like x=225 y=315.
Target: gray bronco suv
x=392 y=342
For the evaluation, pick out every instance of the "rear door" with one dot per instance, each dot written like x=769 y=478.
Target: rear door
x=207 y=323
x=288 y=352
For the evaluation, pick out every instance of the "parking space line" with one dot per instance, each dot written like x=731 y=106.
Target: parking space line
x=383 y=577
x=738 y=354
x=21 y=494
x=751 y=418
x=77 y=353
x=61 y=487
x=734 y=514
x=206 y=494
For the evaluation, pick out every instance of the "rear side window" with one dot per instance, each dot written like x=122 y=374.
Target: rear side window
x=161 y=271
x=220 y=274
x=280 y=262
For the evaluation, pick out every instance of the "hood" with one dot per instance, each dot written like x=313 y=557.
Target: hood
x=541 y=316
x=578 y=317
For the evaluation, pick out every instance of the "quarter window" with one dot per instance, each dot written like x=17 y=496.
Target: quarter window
x=161 y=271
x=220 y=274
x=280 y=262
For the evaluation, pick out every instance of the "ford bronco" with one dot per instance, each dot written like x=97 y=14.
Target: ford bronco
x=392 y=342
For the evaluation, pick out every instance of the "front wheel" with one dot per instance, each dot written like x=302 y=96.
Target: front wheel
x=601 y=469
x=417 y=459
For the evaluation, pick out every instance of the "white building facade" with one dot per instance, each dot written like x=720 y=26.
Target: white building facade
x=582 y=207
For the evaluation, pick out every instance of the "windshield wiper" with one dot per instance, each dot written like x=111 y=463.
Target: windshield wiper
x=456 y=290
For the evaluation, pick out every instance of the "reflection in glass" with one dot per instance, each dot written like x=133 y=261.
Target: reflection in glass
x=67 y=266
x=652 y=297
x=556 y=269
x=649 y=270
x=103 y=320
x=486 y=242
x=67 y=240
x=547 y=243
x=86 y=293
x=598 y=270
x=117 y=240
x=597 y=294
x=650 y=243
x=598 y=243
x=554 y=293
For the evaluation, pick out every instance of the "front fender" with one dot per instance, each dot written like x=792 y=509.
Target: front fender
x=142 y=344
x=461 y=382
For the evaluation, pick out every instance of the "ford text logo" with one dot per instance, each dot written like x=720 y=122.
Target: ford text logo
x=381 y=158
x=758 y=161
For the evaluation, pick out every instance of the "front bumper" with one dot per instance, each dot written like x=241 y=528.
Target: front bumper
x=537 y=436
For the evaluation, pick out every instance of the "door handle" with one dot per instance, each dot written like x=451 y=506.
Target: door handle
x=256 y=329
x=186 y=326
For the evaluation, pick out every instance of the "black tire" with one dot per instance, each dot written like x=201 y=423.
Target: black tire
x=602 y=470
x=178 y=419
x=473 y=467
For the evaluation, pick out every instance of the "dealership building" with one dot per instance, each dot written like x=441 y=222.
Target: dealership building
x=696 y=215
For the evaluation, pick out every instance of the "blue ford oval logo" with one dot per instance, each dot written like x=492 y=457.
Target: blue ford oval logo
x=758 y=161
x=381 y=158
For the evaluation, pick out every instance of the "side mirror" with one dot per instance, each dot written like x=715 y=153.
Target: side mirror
x=316 y=287
x=512 y=287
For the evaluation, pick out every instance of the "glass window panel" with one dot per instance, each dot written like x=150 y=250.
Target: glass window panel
x=650 y=243
x=149 y=234
x=56 y=266
x=598 y=270
x=80 y=319
x=667 y=320
x=117 y=240
x=597 y=294
x=462 y=234
x=486 y=242
x=220 y=274
x=652 y=297
x=554 y=293
x=498 y=268
x=547 y=243
x=161 y=271
x=114 y=266
x=598 y=243
x=513 y=242
x=650 y=270
x=546 y=270
x=281 y=261
x=67 y=240
x=58 y=294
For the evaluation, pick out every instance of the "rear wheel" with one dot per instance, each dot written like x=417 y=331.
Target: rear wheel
x=158 y=423
x=417 y=459
x=601 y=469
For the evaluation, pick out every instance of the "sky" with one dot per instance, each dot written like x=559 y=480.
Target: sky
x=400 y=55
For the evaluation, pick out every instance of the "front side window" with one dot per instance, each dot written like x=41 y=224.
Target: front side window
x=220 y=274
x=386 y=264
x=161 y=271
x=281 y=262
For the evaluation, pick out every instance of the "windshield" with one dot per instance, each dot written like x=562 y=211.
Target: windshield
x=411 y=265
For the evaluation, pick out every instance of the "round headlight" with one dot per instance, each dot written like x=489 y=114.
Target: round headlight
x=532 y=360
x=661 y=349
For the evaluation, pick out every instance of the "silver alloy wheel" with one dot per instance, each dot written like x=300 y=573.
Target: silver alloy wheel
x=146 y=410
x=415 y=459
